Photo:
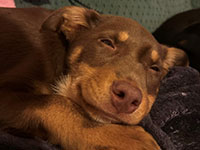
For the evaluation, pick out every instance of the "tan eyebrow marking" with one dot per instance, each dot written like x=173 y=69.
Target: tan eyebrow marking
x=123 y=36
x=75 y=54
x=154 y=55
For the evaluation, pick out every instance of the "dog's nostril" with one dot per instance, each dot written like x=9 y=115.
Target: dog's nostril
x=135 y=102
x=120 y=94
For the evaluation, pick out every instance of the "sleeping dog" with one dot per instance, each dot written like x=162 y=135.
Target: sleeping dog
x=78 y=78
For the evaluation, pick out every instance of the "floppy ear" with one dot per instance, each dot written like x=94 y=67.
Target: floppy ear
x=175 y=57
x=70 y=20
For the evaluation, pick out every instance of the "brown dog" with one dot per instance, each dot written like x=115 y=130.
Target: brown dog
x=82 y=80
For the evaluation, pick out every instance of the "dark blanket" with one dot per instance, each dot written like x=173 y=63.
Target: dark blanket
x=174 y=120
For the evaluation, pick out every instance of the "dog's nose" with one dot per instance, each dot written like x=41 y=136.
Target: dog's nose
x=125 y=97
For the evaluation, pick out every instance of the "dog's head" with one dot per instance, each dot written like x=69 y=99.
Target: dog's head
x=115 y=65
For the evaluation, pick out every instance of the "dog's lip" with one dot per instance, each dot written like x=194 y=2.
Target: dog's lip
x=104 y=115
x=110 y=117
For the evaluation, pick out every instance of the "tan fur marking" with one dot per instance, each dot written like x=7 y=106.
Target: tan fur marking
x=123 y=36
x=140 y=112
x=154 y=55
x=75 y=54
x=170 y=58
x=66 y=85
x=73 y=17
x=157 y=90
x=174 y=57
x=151 y=99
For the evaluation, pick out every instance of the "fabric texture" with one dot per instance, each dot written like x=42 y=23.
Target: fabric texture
x=174 y=120
x=150 y=13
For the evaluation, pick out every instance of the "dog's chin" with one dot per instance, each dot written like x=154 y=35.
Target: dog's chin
x=107 y=117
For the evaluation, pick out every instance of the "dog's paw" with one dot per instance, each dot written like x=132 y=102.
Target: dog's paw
x=146 y=141
x=116 y=137
x=134 y=138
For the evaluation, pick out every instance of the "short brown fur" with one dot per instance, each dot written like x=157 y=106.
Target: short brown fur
x=58 y=70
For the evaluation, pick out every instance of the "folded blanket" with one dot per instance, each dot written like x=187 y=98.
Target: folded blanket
x=174 y=120
x=11 y=142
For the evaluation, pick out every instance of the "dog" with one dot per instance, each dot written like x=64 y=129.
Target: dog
x=182 y=31
x=80 y=79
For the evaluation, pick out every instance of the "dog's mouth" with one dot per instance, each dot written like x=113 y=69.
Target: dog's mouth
x=105 y=114
x=101 y=115
x=96 y=113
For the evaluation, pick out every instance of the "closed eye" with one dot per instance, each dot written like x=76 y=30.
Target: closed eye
x=155 y=68
x=108 y=42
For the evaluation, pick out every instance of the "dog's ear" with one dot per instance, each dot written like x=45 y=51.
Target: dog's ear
x=70 y=20
x=175 y=57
